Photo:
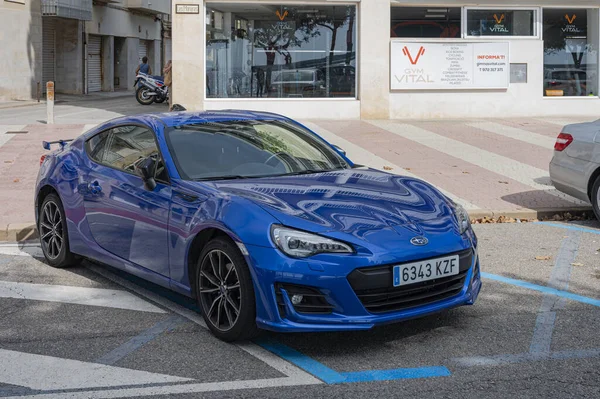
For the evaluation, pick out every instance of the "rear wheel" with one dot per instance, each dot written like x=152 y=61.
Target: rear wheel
x=143 y=96
x=54 y=239
x=225 y=292
x=595 y=198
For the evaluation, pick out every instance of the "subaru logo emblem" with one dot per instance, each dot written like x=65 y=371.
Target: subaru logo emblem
x=419 y=241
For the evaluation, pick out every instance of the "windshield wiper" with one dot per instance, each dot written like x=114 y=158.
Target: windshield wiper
x=226 y=177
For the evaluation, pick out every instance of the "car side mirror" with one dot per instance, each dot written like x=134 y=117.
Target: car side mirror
x=147 y=169
x=339 y=149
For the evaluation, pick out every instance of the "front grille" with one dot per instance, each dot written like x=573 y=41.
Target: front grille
x=313 y=300
x=375 y=288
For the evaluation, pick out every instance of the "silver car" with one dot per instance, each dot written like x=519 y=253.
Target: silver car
x=575 y=167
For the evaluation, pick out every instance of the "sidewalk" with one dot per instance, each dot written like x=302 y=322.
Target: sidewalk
x=492 y=167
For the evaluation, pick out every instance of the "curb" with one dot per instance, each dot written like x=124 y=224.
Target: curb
x=530 y=214
x=21 y=104
x=17 y=232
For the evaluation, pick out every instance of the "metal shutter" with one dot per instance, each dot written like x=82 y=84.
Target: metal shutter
x=143 y=50
x=48 y=51
x=94 y=63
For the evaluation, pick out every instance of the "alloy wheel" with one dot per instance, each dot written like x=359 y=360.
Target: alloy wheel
x=219 y=288
x=51 y=230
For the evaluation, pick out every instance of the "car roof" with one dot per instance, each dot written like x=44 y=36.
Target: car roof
x=170 y=119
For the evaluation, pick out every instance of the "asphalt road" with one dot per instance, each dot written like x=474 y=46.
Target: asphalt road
x=93 y=332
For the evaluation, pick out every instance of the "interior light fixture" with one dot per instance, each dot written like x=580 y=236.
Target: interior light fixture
x=435 y=16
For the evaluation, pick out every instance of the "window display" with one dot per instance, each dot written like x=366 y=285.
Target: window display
x=570 y=52
x=430 y=22
x=275 y=51
x=488 y=22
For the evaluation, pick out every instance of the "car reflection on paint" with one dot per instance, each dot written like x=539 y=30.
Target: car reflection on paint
x=263 y=222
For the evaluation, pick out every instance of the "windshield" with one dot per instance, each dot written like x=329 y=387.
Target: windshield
x=250 y=148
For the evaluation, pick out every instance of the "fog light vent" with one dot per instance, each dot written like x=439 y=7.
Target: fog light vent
x=304 y=299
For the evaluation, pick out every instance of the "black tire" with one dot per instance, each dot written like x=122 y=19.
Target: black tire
x=595 y=197
x=142 y=98
x=160 y=99
x=244 y=326
x=54 y=237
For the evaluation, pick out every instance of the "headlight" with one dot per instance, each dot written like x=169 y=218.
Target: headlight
x=463 y=218
x=300 y=244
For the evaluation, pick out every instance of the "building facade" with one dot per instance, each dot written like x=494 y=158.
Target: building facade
x=84 y=46
x=388 y=59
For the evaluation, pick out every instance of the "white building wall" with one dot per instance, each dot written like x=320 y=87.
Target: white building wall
x=21 y=44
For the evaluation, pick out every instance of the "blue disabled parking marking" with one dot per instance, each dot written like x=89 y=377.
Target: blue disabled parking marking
x=331 y=376
x=570 y=227
x=541 y=288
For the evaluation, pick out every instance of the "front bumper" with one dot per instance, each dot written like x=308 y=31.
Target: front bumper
x=271 y=268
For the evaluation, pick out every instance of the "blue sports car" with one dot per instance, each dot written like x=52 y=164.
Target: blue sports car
x=263 y=222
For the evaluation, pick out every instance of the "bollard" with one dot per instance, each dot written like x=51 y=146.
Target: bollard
x=50 y=103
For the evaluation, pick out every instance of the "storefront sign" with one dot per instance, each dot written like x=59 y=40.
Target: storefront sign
x=455 y=65
x=187 y=9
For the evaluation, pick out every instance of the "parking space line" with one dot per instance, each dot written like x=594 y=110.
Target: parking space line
x=140 y=340
x=41 y=372
x=331 y=376
x=499 y=360
x=559 y=279
x=166 y=390
x=397 y=374
x=569 y=227
x=295 y=374
x=101 y=297
x=540 y=288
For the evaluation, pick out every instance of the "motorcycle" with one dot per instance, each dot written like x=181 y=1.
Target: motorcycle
x=150 y=89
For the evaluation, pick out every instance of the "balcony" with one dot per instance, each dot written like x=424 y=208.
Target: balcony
x=150 y=6
x=72 y=9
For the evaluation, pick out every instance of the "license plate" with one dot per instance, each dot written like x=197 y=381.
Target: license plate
x=424 y=270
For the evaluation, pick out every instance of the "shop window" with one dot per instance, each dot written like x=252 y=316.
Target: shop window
x=428 y=22
x=570 y=52
x=501 y=22
x=275 y=51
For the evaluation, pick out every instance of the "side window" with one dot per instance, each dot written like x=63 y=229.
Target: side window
x=96 y=145
x=129 y=147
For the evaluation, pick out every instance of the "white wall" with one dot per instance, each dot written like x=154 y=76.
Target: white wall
x=21 y=54
x=116 y=22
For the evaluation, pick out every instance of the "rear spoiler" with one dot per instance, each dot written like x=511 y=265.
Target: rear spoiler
x=62 y=143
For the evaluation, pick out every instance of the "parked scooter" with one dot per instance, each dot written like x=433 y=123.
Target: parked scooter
x=150 y=89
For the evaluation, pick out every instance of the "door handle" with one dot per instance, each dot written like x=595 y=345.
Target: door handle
x=94 y=188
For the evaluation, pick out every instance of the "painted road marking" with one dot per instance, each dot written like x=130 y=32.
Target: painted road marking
x=564 y=122
x=33 y=250
x=166 y=389
x=140 y=340
x=331 y=376
x=515 y=133
x=499 y=360
x=295 y=374
x=525 y=174
x=540 y=288
x=102 y=297
x=53 y=373
x=569 y=227
x=559 y=279
x=364 y=157
x=4 y=138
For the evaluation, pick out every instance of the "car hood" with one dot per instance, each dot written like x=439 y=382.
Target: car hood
x=359 y=202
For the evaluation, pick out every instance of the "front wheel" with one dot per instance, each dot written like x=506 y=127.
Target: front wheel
x=225 y=292
x=143 y=96
x=595 y=198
